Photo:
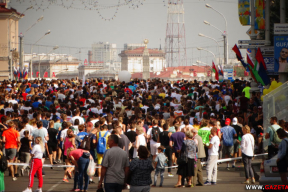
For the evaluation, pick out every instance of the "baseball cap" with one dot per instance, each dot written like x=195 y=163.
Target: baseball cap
x=234 y=121
x=212 y=115
x=227 y=121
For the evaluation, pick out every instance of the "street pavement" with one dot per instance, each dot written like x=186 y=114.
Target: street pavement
x=228 y=180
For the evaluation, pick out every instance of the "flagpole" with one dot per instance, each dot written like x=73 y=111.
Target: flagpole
x=253 y=84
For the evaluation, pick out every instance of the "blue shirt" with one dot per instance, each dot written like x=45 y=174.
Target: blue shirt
x=81 y=135
x=228 y=135
x=28 y=90
x=35 y=104
x=132 y=88
x=48 y=103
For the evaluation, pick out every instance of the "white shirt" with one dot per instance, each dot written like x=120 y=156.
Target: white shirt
x=8 y=109
x=13 y=101
x=247 y=145
x=81 y=120
x=37 y=152
x=189 y=126
x=25 y=108
x=215 y=141
x=61 y=96
x=149 y=132
x=94 y=110
x=145 y=107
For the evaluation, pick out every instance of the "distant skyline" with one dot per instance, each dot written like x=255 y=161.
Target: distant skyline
x=76 y=30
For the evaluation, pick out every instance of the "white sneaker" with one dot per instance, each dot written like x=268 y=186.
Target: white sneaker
x=38 y=190
x=27 y=190
x=14 y=178
x=170 y=175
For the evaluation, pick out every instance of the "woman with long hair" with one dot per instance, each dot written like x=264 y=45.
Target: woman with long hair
x=36 y=165
x=68 y=143
x=139 y=140
x=247 y=148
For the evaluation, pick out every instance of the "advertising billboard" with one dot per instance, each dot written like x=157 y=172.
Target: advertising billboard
x=260 y=15
x=281 y=54
x=244 y=11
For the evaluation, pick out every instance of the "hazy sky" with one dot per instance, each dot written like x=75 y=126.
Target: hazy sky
x=73 y=30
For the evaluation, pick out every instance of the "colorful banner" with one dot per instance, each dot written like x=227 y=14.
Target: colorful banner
x=260 y=15
x=281 y=54
x=244 y=11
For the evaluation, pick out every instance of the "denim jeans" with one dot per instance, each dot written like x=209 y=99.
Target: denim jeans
x=113 y=187
x=83 y=166
x=76 y=179
x=161 y=171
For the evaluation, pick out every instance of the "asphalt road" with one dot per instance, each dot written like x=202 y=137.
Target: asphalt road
x=228 y=180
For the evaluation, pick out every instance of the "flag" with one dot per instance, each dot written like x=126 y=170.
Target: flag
x=239 y=57
x=261 y=68
x=250 y=65
x=215 y=71
x=260 y=59
x=220 y=71
x=238 y=53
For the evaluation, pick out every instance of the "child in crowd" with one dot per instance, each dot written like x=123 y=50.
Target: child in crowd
x=160 y=166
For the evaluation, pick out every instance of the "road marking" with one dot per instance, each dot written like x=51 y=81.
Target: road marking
x=54 y=186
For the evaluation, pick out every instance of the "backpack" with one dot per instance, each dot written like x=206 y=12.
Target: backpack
x=276 y=139
x=155 y=133
x=86 y=143
x=101 y=144
x=3 y=163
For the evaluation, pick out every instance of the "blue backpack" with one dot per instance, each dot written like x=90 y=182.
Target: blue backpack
x=101 y=145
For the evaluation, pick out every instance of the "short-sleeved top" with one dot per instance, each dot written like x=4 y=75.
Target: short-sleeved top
x=228 y=135
x=81 y=135
x=177 y=138
x=115 y=160
x=11 y=136
x=271 y=132
x=160 y=159
x=191 y=148
x=37 y=152
x=40 y=133
x=131 y=136
x=247 y=92
x=76 y=154
x=141 y=172
x=215 y=141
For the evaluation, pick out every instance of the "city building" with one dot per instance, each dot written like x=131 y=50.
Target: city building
x=51 y=65
x=131 y=46
x=9 y=55
x=132 y=60
x=102 y=53
x=190 y=73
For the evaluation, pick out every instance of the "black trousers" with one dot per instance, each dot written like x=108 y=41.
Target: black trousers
x=272 y=151
x=168 y=153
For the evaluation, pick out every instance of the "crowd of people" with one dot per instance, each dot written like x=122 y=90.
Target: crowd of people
x=132 y=129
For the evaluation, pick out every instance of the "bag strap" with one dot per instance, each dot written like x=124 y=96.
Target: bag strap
x=106 y=134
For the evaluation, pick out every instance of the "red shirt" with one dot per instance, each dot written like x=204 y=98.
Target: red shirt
x=76 y=154
x=11 y=136
x=83 y=100
x=24 y=95
x=128 y=90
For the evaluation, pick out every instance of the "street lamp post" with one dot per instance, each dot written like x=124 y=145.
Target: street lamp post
x=225 y=35
x=47 y=33
x=218 y=46
x=200 y=48
x=54 y=48
x=21 y=36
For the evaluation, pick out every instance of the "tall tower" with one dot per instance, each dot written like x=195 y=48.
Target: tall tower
x=146 y=62
x=175 y=41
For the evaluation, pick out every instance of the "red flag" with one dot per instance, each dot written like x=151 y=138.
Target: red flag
x=215 y=71
x=53 y=74
x=238 y=53
x=37 y=74
x=46 y=74
x=260 y=59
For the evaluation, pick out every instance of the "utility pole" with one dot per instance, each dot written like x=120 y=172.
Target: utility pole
x=267 y=23
x=21 y=60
